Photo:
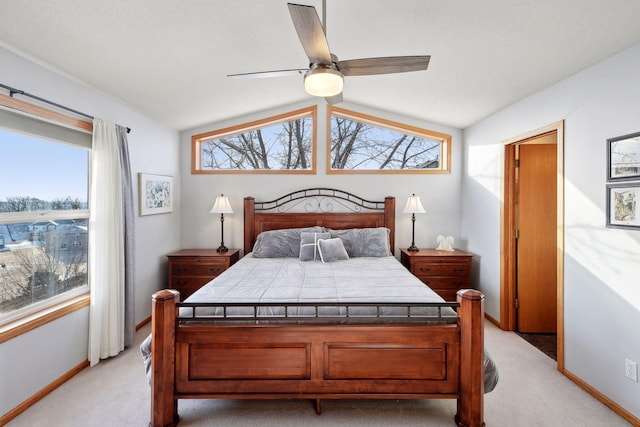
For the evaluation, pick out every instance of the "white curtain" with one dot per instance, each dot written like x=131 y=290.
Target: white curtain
x=106 y=246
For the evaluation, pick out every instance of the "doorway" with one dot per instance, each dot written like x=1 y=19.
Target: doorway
x=532 y=238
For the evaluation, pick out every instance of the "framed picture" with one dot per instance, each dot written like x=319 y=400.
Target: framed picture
x=623 y=157
x=622 y=205
x=156 y=193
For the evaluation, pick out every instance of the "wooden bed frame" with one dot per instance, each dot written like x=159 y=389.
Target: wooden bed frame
x=319 y=359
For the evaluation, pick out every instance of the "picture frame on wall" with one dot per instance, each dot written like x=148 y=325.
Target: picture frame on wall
x=155 y=194
x=623 y=157
x=622 y=205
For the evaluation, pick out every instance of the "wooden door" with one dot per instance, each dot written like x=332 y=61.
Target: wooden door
x=536 y=262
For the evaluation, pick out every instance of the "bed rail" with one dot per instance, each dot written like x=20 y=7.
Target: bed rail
x=321 y=312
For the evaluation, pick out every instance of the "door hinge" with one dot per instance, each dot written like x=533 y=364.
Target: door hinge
x=516 y=233
x=516 y=163
x=517 y=303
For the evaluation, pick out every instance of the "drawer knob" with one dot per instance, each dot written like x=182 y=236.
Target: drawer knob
x=425 y=270
x=458 y=269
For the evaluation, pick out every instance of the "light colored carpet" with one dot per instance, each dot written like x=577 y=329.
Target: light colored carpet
x=530 y=392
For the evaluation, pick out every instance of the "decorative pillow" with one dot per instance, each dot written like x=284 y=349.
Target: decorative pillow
x=331 y=250
x=280 y=243
x=361 y=242
x=309 y=245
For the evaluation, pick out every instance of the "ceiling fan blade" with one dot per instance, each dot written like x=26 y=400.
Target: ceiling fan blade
x=335 y=99
x=385 y=65
x=267 y=74
x=310 y=33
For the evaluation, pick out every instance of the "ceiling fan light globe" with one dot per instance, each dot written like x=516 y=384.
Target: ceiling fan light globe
x=323 y=82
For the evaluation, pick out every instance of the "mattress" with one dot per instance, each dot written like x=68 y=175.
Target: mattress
x=255 y=280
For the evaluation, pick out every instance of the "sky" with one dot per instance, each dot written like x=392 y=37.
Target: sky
x=41 y=169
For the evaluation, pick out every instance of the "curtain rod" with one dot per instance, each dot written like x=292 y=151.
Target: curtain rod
x=13 y=91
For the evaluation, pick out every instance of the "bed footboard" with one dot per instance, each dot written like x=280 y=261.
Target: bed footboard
x=317 y=361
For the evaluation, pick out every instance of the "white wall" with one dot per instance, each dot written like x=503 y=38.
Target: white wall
x=62 y=344
x=439 y=193
x=601 y=265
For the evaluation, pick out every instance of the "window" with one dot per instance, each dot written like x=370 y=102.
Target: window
x=360 y=143
x=279 y=144
x=43 y=221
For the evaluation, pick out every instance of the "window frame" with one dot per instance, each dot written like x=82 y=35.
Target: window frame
x=443 y=138
x=75 y=299
x=199 y=139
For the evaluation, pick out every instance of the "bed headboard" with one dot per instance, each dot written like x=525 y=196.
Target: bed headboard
x=319 y=206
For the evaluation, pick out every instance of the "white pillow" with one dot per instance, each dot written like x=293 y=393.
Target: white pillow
x=331 y=250
x=309 y=245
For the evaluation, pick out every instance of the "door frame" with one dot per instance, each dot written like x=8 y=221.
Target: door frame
x=507 y=232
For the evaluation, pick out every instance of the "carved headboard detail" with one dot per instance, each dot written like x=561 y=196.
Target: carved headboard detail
x=325 y=207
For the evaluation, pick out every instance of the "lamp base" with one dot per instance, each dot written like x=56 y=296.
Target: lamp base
x=222 y=248
x=413 y=248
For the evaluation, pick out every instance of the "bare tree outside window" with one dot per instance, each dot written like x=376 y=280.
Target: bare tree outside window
x=278 y=144
x=362 y=143
x=43 y=223
x=41 y=265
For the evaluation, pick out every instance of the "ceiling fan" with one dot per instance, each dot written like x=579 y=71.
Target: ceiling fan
x=325 y=74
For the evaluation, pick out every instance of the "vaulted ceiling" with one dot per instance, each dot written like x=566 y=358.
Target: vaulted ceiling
x=170 y=59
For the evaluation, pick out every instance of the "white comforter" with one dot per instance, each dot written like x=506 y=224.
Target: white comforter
x=291 y=280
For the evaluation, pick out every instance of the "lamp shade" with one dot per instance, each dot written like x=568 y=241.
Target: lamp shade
x=323 y=80
x=413 y=205
x=222 y=205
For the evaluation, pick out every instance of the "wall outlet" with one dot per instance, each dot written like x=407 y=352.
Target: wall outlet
x=631 y=370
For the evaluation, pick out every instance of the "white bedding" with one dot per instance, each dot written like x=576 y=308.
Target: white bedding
x=289 y=280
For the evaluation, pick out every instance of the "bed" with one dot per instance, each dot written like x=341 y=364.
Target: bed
x=225 y=342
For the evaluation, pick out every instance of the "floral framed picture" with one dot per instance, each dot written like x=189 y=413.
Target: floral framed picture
x=623 y=157
x=155 y=193
x=622 y=205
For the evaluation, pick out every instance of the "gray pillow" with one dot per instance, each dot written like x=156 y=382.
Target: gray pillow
x=309 y=245
x=280 y=243
x=361 y=242
x=331 y=250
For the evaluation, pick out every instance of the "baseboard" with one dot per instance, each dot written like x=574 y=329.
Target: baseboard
x=42 y=393
x=604 y=399
x=628 y=416
x=143 y=323
x=492 y=320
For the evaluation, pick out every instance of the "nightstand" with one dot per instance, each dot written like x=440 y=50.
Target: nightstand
x=443 y=271
x=190 y=269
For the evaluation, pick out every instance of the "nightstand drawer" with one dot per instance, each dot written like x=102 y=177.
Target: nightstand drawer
x=444 y=282
x=188 y=285
x=447 y=294
x=198 y=269
x=202 y=260
x=440 y=269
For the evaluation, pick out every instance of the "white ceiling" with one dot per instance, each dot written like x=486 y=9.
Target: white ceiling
x=169 y=58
